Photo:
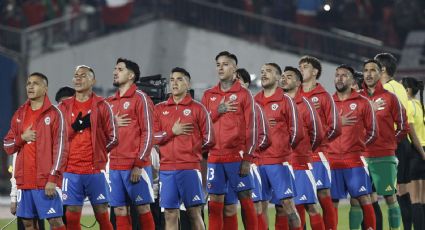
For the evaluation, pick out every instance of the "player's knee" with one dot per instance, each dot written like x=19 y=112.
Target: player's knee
x=280 y=211
x=230 y=210
x=194 y=212
x=171 y=214
x=364 y=200
x=312 y=209
x=323 y=192
x=28 y=223
x=100 y=208
x=390 y=199
x=354 y=202
x=72 y=208
x=55 y=222
x=120 y=211
x=244 y=194
x=217 y=198
x=144 y=208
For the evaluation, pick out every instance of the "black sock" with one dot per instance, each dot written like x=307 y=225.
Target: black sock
x=378 y=215
x=418 y=216
x=406 y=210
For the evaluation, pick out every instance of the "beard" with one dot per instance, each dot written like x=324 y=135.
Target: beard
x=116 y=84
x=341 y=89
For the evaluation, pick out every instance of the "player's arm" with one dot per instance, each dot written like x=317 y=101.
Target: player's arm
x=110 y=127
x=295 y=122
x=144 y=117
x=13 y=141
x=206 y=126
x=60 y=145
x=399 y=115
x=332 y=119
x=315 y=128
x=161 y=135
x=369 y=119
x=263 y=129
x=251 y=126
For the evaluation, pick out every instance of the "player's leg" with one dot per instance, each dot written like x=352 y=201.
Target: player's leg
x=230 y=211
x=49 y=208
x=98 y=191
x=171 y=218
x=189 y=183
x=217 y=187
x=73 y=198
x=170 y=198
x=118 y=200
x=243 y=187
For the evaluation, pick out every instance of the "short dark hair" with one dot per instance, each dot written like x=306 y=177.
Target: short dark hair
x=65 y=91
x=347 y=67
x=358 y=77
x=180 y=70
x=296 y=71
x=40 y=75
x=90 y=69
x=314 y=62
x=276 y=66
x=227 y=54
x=246 y=78
x=131 y=65
x=372 y=61
x=388 y=61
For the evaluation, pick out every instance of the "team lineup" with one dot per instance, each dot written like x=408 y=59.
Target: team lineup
x=293 y=145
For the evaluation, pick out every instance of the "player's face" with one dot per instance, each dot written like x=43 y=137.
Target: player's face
x=179 y=84
x=307 y=71
x=226 y=68
x=371 y=74
x=289 y=81
x=122 y=75
x=83 y=80
x=269 y=76
x=36 y=87
x=343 y=80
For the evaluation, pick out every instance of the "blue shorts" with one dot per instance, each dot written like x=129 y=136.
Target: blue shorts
x=76 y=187
x=277 y=182
x=124 y=192
x=232 y=197
x=33 y=203
x=179 y=186
x=322 y=173
x=355 y=181
x=221 y=173
x=305 y=185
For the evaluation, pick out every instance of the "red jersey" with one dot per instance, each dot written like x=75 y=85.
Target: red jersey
x=134 y=149
x=183 y=151
x=288 y=130
x=51 y=147
x=392 y=113
x=313 y=133
x=104 y=133
x=235 y=132
x=331 y=122
x=346 y=149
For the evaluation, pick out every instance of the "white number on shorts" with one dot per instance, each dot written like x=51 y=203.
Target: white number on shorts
x=18 y=196
x=211 y=174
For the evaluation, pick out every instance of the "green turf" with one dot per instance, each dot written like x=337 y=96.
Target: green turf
x=342 y=220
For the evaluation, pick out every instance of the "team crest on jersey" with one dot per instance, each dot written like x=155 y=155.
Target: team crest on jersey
x=315 y=99
x=213 y=98
x=186 y=112
x=353 y=106
x=165 y=112
x=64 y=196
x=47 y=120
x=275 y=106
x=233 y=97
x=126 y=105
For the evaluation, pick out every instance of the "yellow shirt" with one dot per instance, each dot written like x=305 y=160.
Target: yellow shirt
x=418 y=120
x=399 y=90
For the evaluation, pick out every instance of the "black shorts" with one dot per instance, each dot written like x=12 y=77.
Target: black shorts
x=403 y=153
x=417 y=166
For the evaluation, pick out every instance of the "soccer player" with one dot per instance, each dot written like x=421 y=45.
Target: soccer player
x=380 y=156
x=286 y=130
x=38 y=136
x=305 y=185
x=417 y=163
x=404 y=147
x=349 y=174
x=183 y=130
x=130 y=164
x=232 y=112
x=92 y=133
x=230 y=200
x=311 y=70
